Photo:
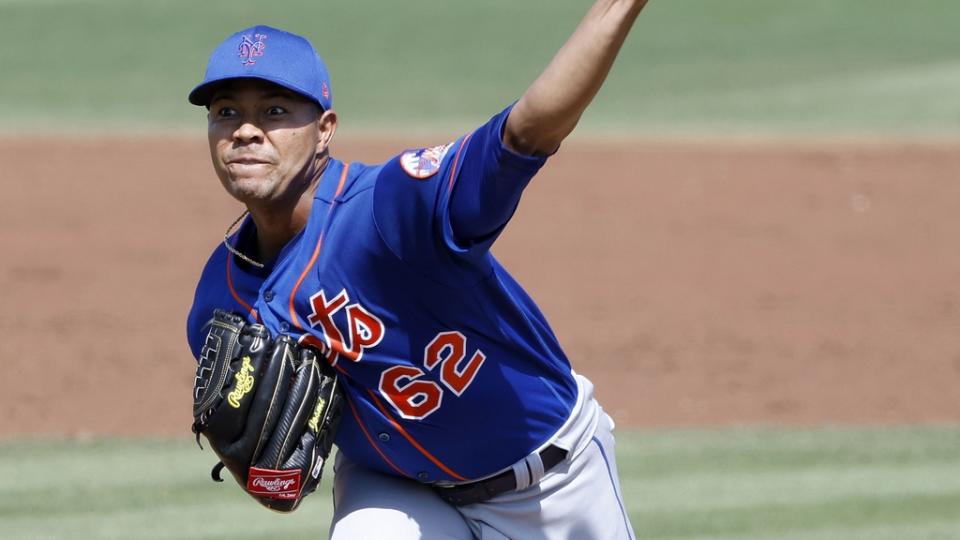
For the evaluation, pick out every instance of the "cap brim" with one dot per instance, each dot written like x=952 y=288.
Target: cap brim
x=203 y=93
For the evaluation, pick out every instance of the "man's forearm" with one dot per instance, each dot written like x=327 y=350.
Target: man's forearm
x=552 y=106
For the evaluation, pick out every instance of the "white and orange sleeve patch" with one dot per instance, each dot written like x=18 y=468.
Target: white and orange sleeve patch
x=425 y=162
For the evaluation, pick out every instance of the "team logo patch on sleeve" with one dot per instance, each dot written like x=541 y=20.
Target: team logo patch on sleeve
x=423 y=163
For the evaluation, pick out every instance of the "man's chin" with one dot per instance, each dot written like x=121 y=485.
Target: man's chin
x=250 y=188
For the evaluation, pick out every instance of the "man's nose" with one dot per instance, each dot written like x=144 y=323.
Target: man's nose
x=248 y=132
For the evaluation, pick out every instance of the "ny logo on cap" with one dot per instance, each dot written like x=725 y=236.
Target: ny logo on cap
x=252 y=48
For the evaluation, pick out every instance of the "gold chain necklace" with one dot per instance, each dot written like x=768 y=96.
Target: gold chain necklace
x=235 y=251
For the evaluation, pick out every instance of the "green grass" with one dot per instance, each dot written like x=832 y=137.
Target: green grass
x=691 y=66
x=811 y=484
x=135 y=489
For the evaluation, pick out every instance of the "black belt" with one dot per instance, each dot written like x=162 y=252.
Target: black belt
x=482 y=490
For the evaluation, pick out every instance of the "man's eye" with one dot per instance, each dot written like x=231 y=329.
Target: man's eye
x=276 y=110
x=226 y=112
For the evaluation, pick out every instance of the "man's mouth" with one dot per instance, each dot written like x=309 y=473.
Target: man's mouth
x=247 y=160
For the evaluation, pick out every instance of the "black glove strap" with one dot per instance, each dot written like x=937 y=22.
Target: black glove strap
x=215 y=472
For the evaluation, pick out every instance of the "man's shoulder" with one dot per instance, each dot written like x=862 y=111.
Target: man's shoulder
x=211 y=287
x=213 y=281
x=216 y=263
x=417 y=164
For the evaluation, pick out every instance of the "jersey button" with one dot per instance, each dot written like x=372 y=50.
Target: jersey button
x=268 y=296
x=423 y=475
x=284 y=326
x=384 y=437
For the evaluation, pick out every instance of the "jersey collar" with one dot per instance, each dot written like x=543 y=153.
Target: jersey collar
x=327 y=188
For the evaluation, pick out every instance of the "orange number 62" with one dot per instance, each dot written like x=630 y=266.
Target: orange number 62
x=415 y=398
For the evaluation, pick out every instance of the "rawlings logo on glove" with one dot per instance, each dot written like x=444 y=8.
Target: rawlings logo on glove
x=274 y=484
x=244 y=384
x=283 y=409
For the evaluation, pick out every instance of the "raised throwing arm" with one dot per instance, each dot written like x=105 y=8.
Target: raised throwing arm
x=552 y=106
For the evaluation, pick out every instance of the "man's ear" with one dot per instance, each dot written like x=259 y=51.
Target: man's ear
x=326 y=127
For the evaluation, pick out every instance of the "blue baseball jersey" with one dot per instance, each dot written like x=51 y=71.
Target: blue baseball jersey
x=451 y=371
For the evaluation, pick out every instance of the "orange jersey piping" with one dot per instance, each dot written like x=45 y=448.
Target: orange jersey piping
x=456 y=161
x=396 y=425
x=316 y=251
x=366 y=434
x=233 y=291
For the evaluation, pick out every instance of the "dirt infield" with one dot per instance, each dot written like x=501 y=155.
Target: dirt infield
x=696 y=284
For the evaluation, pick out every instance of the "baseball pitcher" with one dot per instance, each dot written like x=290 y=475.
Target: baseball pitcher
x=359 y=305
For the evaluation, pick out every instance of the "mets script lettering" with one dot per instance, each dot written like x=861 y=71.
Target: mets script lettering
x=365 y=330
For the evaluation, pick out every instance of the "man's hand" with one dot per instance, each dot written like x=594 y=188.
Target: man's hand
x=552 y=106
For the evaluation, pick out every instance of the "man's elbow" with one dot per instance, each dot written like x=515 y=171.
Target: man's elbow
x=537 y=138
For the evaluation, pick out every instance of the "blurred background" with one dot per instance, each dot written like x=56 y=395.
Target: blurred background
x=748 y=244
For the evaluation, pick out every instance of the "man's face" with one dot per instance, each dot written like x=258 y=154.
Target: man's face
x=264 y=140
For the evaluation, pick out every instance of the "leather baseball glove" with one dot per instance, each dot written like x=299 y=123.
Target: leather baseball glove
x=269 y=409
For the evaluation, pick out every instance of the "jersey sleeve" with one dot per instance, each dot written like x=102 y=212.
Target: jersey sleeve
x=487 y=188
x=448 y=204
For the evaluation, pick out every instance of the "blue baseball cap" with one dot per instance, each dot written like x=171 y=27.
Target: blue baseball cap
x=271 y=54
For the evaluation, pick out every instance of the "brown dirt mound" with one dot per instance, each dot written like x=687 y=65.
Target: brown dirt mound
x=695 y=283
